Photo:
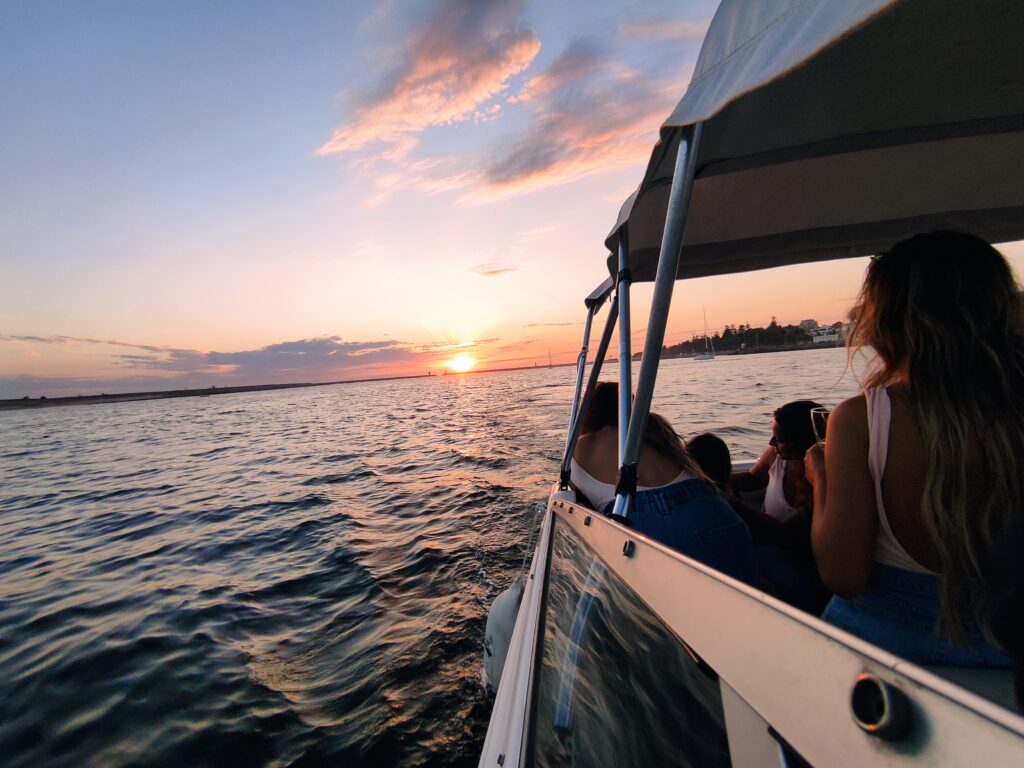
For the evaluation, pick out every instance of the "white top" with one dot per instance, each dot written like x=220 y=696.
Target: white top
x=601 y=493
x=775 y=503
x=888 y=551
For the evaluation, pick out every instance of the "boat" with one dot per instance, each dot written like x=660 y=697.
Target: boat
x=811 y=130
x=709 y=347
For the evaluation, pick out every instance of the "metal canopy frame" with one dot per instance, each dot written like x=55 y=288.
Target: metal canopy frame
x=631 y=430
x=633 y=413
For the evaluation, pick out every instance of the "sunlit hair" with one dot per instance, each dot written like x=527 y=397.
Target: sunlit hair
x=660 y=436
x=941 y=312
x=603 y=411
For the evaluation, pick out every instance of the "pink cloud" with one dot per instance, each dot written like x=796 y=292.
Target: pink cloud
x=591 y=115
x=455 y=64
x=595 y=108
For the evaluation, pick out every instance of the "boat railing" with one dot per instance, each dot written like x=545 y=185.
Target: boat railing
x=746 y=679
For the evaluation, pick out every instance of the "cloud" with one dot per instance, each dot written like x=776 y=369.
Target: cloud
x=591 y=114
x=595 y=107
x=76 y=340
x=449 y=70
x=493 y=270
x=574 y=63
x=528 y=236
x=149 y=367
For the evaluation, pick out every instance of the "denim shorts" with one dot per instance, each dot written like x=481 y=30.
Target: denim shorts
x=692 y=517
x=899 y=611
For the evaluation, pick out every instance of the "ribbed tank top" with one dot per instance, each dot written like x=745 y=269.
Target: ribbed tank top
x=888 y=550
x=775 y=503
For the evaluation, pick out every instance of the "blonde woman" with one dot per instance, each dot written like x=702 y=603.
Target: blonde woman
x=922 y=472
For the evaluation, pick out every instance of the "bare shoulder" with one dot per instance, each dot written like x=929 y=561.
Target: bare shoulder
x=584 y=446
x=850 y=417
x=848 y=435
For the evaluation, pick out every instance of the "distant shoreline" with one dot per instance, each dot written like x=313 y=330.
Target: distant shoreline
x=21 y=404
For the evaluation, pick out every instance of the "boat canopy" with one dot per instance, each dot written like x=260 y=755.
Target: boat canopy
x=834 y=129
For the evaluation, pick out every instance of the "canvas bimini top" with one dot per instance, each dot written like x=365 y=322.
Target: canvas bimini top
x=834 y=128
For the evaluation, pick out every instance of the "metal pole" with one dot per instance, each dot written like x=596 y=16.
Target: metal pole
x=664 y=281
x=595 y=370
x=581 y=366
x=625 y=351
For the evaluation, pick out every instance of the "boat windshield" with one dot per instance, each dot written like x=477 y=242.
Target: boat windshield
x=615 y=686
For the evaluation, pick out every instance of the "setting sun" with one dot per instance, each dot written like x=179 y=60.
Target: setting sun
x=460 y=363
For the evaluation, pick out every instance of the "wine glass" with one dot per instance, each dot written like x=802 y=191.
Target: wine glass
x=819 y=421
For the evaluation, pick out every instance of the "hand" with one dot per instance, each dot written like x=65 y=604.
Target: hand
x=814 y=464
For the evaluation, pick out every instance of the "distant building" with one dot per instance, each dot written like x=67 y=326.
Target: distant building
x=824 y=336
x=809 y=325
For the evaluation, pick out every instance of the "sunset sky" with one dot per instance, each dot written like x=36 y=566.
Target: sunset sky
x=199 y=193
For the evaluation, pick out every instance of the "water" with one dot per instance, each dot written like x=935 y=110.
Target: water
x=297 y=577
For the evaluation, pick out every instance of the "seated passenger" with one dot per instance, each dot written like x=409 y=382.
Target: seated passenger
x=923 y=471
x=712 y=456
x=595 y=462
x=781 y=530
x=674 y=504
x=780 y=472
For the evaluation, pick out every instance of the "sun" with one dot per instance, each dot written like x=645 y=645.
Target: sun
x=460 y=363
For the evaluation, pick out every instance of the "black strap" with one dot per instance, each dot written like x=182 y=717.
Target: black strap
x=627 y=481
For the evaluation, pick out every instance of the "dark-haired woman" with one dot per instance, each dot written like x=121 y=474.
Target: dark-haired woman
x=781 y=529
x=922 y=473
x=780 y=471
x=675 y=503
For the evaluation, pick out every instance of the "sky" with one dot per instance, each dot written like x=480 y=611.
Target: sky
x=197 y=194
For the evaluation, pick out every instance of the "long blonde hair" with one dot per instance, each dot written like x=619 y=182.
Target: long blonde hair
x=941 y=311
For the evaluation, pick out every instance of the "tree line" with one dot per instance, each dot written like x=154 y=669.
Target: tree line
x=745 y=336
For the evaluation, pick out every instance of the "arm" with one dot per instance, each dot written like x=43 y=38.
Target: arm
x=756 y=477
x=786 y=531
x=844 y=524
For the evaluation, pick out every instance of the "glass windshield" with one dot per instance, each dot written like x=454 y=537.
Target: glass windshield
x=615 y=686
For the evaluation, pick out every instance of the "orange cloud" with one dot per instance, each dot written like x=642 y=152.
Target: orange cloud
x=456 y=63
x=587 y=112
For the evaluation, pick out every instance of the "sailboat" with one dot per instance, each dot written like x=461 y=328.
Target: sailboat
x=812 y=130
x=709 y=347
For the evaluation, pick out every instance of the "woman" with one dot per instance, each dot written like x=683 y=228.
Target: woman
x=595 y=462
x=781 y=529
x=780 y=472
x=674 y=504
x=921 y=471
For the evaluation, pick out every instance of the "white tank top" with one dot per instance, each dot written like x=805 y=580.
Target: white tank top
x=601 y=493
x=775 y=503
x=888 y=551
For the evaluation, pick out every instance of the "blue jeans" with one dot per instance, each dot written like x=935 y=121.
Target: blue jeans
x=899 y=611
x=692 y=517
x=792 y=576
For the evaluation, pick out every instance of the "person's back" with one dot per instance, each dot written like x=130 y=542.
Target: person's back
x=674 y=503
x=925 y=466
x=598 y=453
x=903 y=481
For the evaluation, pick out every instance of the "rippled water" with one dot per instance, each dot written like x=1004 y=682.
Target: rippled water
x=297 y=577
